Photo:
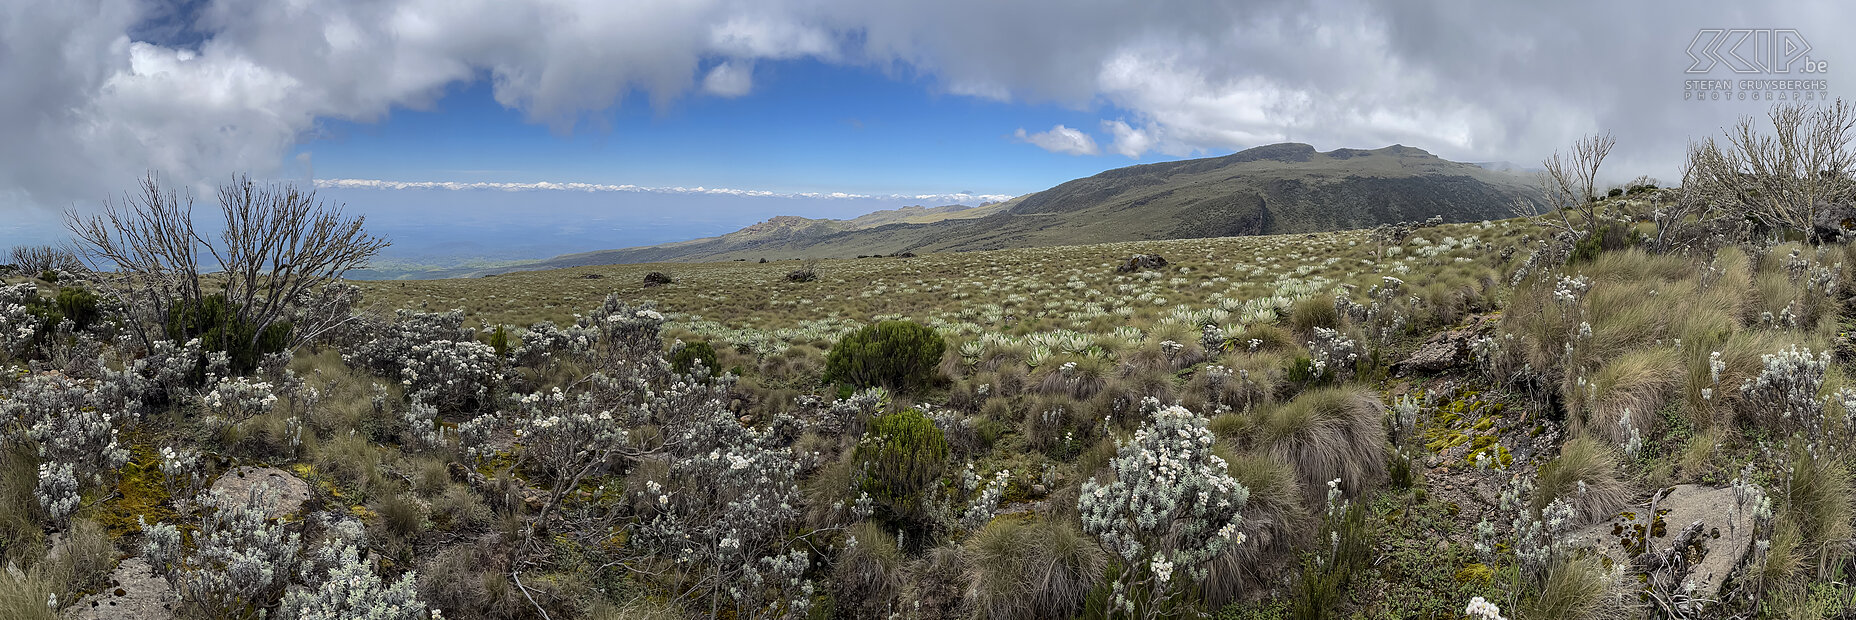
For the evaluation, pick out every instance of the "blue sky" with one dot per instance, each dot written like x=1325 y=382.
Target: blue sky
x=806 y=127
x=771 y=106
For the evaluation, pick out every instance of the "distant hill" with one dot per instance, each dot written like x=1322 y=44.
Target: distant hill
x=1280 y=188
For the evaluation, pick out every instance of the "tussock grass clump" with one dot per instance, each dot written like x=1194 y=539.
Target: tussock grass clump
x=936 y=585
x=1078 y=377
x=1326 y=433
x=1275 y=525
x=1578 y=589
x=1313 y=312
x=1820 y=501
x=1588 y=476
x=1031 y=570
x=1635 y=384
x=867 y=577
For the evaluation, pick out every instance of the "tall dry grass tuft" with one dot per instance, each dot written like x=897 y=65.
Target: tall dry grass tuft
x=1078 y=377
x=867 y=577
x=1325 y=434
x=1577 y=589
x=1276 y=523
x=1587 y=474
x=1031 y=570
x=1635 y=385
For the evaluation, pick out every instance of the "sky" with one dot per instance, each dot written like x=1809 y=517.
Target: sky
x=508 y=129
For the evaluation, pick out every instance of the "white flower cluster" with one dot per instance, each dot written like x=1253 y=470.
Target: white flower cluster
x=239 y=558
x=236 y=399
x=351 y=590
x=1170 y=500
x=1334 y=354
x=1482 y=609
x=182 y=471
x=57 y=490
x=1788 y=383
x=1570 y=289
x=421 y=421
x=1538 y=540
x=980 y=512
x=18 y=327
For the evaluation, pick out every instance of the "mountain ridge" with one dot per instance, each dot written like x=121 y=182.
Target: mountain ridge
x=1270 y=189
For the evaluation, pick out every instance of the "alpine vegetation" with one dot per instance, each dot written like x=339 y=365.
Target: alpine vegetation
x=1637 y=404
x=1169 y=507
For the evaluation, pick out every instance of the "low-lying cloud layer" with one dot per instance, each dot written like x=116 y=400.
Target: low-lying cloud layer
x=106 y=89
x=931 y=199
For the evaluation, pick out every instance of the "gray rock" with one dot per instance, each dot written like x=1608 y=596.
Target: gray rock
x=1725 y=534
x=1141 y=261
x=290 y=491
x=134 y=593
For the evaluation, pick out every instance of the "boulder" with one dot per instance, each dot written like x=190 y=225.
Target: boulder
x=1141 y=261
x=288 y=497
x=134 y=593
x=1696 y=534
x=1447 y=349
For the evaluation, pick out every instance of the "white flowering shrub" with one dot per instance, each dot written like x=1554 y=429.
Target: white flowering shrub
x=1333 y=355
x=240 y=561
x=181 y=471
x=344 y=586
x=235 y=399
x=981 y=511
x=165 y=373
x=567 y=438
x=1170 y=507
x=458 y=375
x=421 y=424
x=76 y=442
x=435 y=354
x=726 y=513
x=19 y=327
x=1785 y=393
x=57 y=491
x=545 y=344
x=626 y=332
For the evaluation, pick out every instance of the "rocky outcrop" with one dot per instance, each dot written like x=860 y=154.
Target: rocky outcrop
x=1448 y=349
x=134 y=593
x=1688 y=536
x=1141 y=261
x=287 y=496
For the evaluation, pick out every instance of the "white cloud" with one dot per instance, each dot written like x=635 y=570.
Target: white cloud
x=87 y=108
x=1060 y=139
x=570 y=186
x=729 y=79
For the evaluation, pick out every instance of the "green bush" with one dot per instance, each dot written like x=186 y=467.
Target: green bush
x=901 y=456
x=1608 y=238
x=684 y=360
x=214 y=320
x=78 y=305
x=898 y=355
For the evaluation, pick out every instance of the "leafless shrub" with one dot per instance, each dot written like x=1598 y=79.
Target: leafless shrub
x=1569 y=185
x=1791 y=179
x=37 y=259
x=278 y=245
